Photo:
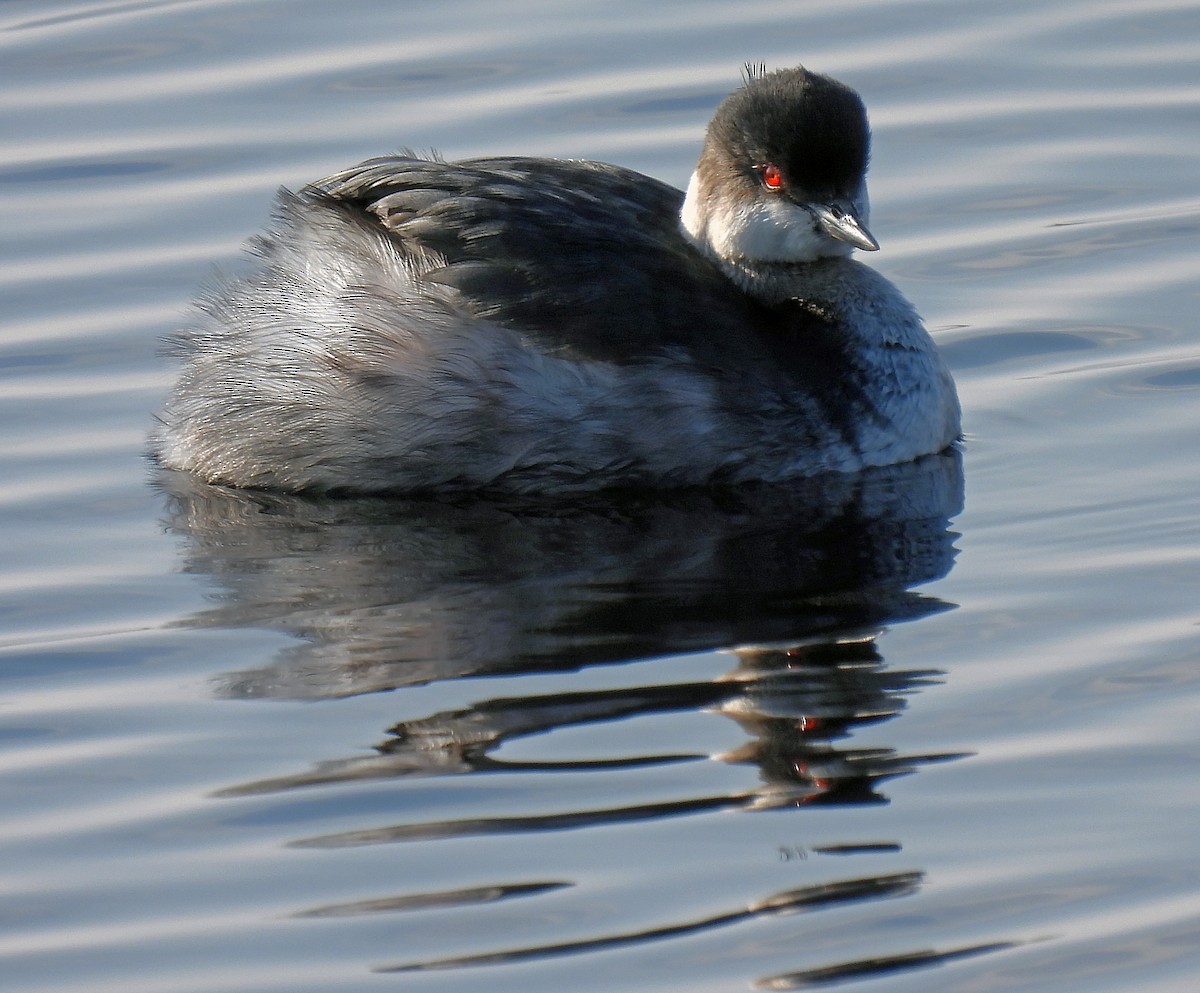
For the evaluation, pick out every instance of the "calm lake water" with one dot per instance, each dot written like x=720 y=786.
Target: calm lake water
x=930 y=728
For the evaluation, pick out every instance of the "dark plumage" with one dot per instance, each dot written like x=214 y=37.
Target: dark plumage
x=555 y=325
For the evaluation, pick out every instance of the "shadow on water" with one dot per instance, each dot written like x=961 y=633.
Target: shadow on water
x=382 y=594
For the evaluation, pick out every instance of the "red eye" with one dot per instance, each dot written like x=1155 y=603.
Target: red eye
x=772 y=178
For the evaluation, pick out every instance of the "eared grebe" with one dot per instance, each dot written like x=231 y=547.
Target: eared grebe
x=546 y=325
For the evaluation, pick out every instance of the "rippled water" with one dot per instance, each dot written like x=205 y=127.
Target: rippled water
x=873 y=731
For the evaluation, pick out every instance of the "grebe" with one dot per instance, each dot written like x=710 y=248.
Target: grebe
x=549 y=325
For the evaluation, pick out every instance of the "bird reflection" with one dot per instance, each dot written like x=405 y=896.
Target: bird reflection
x=793 y=703
x=794 y=586
x=807 y=898
x=388 y=593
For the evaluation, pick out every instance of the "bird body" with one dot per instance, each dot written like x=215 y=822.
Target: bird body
x=546 y=325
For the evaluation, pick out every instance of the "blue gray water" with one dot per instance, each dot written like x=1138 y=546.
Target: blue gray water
x=933 y=728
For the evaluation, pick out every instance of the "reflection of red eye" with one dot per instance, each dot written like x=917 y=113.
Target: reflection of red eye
x=772 y=178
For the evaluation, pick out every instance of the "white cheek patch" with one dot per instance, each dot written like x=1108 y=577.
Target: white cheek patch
x=691 y=216
x=772 y=229
x=765 y=229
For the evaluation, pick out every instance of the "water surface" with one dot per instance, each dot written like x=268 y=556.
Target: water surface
x=932 y=727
